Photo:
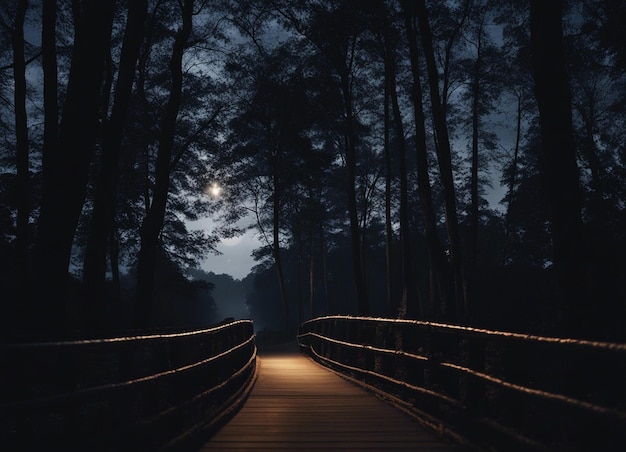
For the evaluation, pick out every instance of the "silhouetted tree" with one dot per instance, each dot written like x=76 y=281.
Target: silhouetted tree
x=438 y=267
x=390 y=39
x=66 y=165
x=155 y=215
x=269 y=147
x=101 y=228
x=299 y=110
x=22 y=151
x=559 y=154
x=445 y=164
x=335 y=29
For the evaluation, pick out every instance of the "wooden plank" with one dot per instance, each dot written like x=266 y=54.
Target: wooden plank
x=298 y=405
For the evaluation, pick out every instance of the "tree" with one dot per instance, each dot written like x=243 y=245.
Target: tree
x=438 y=267
x=17 y=183
x=66 y=164
x=477 y=90
x=445 y=164
x=155 y=215
x=511 y=173
x=268 y=143
x=559 y=154
x=388 y=220
x=408 y=288
x=22 y=150
x=102 y=218
x=299 y=112
x=597 y=75
x=449 y=19
x=309 y=211
x=334 y=29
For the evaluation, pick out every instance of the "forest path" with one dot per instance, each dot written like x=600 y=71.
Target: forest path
x=299 y=405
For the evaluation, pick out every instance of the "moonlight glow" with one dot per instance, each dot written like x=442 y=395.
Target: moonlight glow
x=215 y=190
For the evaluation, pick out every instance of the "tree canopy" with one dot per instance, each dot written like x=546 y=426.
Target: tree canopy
x=460 y=161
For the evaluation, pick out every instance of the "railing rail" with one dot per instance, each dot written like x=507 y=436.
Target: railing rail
x=138 y=393
x=492 y=389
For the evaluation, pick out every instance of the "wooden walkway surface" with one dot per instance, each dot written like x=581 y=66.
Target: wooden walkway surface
x=298 y=405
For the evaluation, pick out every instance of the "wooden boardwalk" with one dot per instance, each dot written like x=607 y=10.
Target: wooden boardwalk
x=299 y=405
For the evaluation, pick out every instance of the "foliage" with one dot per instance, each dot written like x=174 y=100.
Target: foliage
x=283 y=106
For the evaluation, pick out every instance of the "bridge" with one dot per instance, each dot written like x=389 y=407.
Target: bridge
x=349 y=383
x=298 y=405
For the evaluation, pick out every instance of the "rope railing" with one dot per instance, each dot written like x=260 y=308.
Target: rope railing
x=492 y=389
x=135 y=393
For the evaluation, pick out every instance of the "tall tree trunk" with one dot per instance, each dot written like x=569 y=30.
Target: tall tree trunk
x=438 y=267
x=21 y=154
x=275 y=155
x=559 y=155
x=143 y=142
x=444 y=158
x=474 y=212
x=102 y=219
x=408 y=291
x=324 y=268
x=50 y=80
x=66 y=165
x=597 y=205
x=51 y=116
x=276 y=244
x=153 y=222
x=114 y=255
x=300 y=299
x=472 y=268
x=408 y=278
x=355 y=232
x=388 y=228
x=512 y=180
x=311 y=272
x=447 y=58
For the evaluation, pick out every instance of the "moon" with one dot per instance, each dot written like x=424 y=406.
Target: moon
x=215 y=190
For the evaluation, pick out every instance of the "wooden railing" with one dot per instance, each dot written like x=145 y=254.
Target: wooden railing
x=127 y=393
x=492 y=390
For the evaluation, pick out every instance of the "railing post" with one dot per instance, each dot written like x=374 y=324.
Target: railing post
x=472 y=389
x=399 y=338
x=380 y=343
x=432 y=379
x=337 y=350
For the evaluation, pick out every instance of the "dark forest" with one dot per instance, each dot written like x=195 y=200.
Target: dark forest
x=460 y=161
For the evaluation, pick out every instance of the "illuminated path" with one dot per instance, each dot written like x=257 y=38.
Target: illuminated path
x=299 y=405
